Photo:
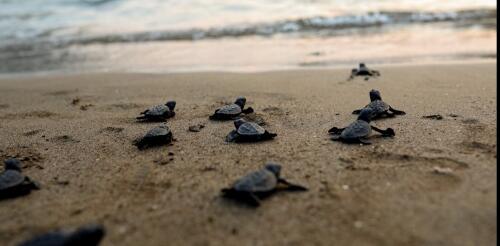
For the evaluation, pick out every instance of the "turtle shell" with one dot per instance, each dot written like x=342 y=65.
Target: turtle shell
x=258 y=181
x=378 y=106
x=355 y=130
x=162 y=130
x=250 y=129
x=231 y=109
x=157 y=110
x=10 y=179
x=363 y=72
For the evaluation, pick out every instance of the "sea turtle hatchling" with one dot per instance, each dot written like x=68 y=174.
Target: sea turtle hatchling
x=13 y=183
x=160 y=135
x=89 y=235
x=380 y=108
x=359 y=130
x=159 y=112
x=253 y=187
x=248 y=132
x=363 y=71
x=231 y=111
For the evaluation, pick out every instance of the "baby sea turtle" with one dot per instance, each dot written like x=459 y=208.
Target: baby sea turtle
x=160 y=135
x=158 y=112
x=13 y=183
x=231 y=111
x=380 y=108
x=364 y=71
x=248 y=132
x=253 y=187
x=359 y=130
x=89 y=235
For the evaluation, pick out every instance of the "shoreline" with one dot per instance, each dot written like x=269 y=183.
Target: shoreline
x=388 y=193
x=344 y=67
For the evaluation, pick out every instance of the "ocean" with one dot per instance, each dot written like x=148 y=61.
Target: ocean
x=78 y=36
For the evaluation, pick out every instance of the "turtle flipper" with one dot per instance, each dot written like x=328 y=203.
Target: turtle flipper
x=232 y=136
x=389 y=132
x=292 y=187
x=397 y=112
x=386 y=114
x=248 y=110
x=354 y=72
x=357 y=111
x=336 y=131
x=336 y=138
x=141 y=144
x=143 y=117
x=214 y=116
x=33 y=184
x=268 y=136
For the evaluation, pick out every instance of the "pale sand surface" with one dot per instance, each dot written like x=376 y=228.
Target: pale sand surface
x=383 y=194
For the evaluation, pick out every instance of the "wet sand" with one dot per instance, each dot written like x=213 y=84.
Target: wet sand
x=388 y=193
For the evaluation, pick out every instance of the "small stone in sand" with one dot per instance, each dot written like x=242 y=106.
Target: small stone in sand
x=433 y=117
x=358 y=224
x=442 y=170
x=86 y=106
x=75 y=101
x=196 y=128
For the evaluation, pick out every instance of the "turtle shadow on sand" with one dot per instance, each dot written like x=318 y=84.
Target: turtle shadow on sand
x=360 y=130
x=252 y=188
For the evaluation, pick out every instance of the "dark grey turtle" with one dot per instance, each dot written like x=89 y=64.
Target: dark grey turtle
x=231 y=111
x=160 y=135
x=380 y=108
x=359 y=130
x=248 y=132
x=159 y=112
x=90 y=235
x=364 y=71
x=257 y=185
x=13 y=183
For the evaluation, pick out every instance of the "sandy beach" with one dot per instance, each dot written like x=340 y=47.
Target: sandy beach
x=387 y=193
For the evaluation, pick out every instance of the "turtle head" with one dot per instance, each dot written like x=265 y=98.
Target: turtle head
x=239 y=122
x=240 y=101
x=12 y=164
x=362 y=65
x=87 y=235
x=274 y=168
x=171 y=105
x=375 y=95
x=366 y=114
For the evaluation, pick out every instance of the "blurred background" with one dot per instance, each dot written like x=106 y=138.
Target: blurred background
x=79 y=36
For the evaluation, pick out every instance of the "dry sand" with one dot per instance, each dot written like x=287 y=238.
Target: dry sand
x=388 y=193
